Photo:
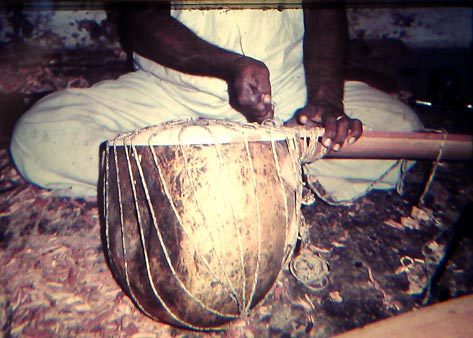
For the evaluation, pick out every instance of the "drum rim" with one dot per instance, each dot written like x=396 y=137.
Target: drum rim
x=203 y=131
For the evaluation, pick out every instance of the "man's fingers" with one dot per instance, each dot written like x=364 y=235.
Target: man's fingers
x=262 y=115
x=250 y=90
x=264 y=107
x=356 y=130
x=339 y=130
x=258 y=107
x=264 y=102
x=302 y=118
x=266 y=98
x=330 y=126
x=342 y=132
x=309 y=117
x=263 y=84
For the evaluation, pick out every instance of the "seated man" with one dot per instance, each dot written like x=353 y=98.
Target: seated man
x=224 y=64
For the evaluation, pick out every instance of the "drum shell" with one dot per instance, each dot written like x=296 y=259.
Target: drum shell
x=197 y=234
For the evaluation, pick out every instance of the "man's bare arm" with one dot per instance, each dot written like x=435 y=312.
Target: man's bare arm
x=325 y=50
x=156 y=35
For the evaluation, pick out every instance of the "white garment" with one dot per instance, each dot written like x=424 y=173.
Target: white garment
x=344 y=179
x=271 y=36
x=56 y=143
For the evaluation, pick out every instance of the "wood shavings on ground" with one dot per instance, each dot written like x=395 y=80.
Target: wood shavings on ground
x=418 y=279
x=55 y=281
x=417 y=217
x=392 y=223
x=37 y=79
x=433 y=251
x=44 y=69
x=410 y=223
x=60 y=285
x=335 y=297
x=422 y=214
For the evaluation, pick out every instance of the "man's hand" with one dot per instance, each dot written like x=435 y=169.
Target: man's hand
x=249 y=89
x=161 y=38
x=325 y=49
x=339 y=128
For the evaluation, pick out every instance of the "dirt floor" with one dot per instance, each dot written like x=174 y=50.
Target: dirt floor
x=386 y=253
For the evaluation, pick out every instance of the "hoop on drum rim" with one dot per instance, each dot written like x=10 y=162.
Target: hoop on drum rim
x=201 y=216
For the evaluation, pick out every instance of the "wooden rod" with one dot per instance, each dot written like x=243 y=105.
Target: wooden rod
x=450 y=319
x=407 y=145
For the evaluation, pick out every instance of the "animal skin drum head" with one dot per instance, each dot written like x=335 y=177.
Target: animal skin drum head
x=200 y=217
x=202 y=134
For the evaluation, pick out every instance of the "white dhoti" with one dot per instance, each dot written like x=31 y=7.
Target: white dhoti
x=56 y=143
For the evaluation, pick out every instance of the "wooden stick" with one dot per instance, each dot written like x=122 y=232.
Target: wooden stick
x=407 y=145
x=452 y=319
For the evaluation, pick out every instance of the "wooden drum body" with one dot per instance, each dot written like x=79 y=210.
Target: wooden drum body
x=200 y=217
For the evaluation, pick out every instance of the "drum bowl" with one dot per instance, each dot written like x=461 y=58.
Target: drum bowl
x=200 y=217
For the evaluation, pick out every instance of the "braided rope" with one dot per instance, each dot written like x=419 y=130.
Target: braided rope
x=161 y=241
x=311 y=270
x=434 y=167
x=232 y=292
x=122 y=226
x=312 y=150
x=306 y=152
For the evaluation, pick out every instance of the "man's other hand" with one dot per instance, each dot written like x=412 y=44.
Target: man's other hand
x=339 y=128
x=249 y=89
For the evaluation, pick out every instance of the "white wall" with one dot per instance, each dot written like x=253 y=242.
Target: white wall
x=417 y=27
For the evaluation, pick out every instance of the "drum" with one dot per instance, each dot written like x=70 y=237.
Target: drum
x=201 y=216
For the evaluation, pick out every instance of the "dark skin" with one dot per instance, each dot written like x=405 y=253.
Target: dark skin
x=324 y=68
x=161 y=38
